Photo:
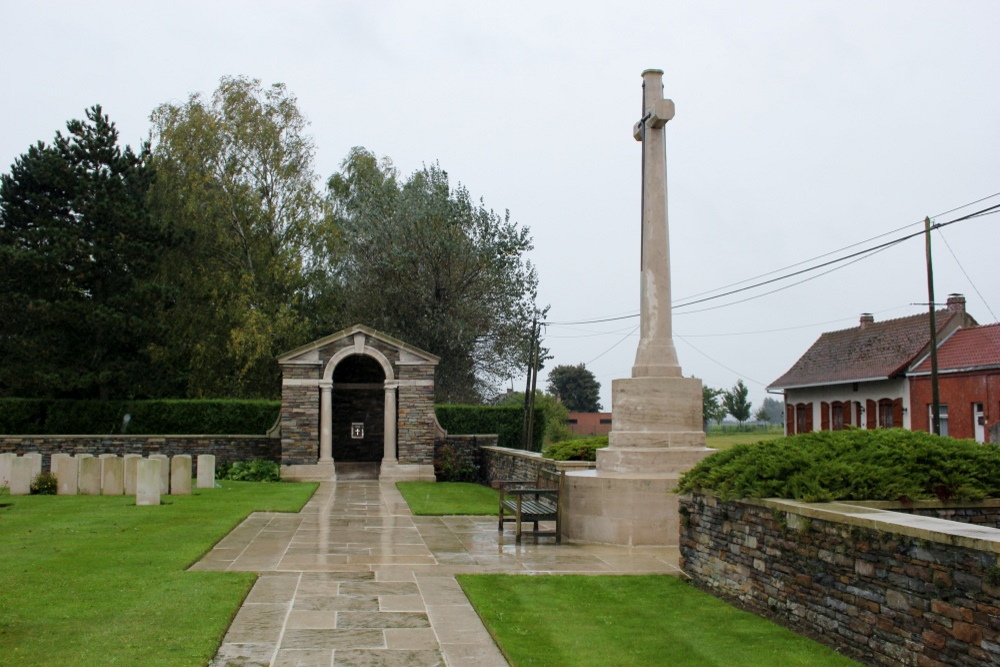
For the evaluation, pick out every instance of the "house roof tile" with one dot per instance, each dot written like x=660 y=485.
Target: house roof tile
x=873 y=351
x=972 y=347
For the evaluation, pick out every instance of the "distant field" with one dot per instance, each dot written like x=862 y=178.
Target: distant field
x=725 y=440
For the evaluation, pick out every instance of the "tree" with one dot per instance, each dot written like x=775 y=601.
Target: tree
x=79 y=257
x=235 y=182
x=577 y=387
x=736 y=402
x=555 y=411
x=771 y=411
x=423 y=262
x=711 y=409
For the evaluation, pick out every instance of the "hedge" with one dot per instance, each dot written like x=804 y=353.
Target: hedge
x=504 y=421
x=577 y=449
x=25 y=416
x=878 y=464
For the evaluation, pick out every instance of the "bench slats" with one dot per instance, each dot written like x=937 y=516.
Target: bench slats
x=526 y=503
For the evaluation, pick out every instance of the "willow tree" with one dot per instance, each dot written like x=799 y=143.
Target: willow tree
x=235 y=182
x=422 y=261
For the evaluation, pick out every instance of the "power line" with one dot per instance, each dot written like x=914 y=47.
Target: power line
x=716 y=361
x=955 y=257
x=620 y=341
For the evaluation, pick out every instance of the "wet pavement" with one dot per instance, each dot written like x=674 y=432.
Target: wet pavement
x=355 y=579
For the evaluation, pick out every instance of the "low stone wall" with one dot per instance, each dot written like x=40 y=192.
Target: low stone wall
x=225 y=448
x=502 y=463
x=884 y=587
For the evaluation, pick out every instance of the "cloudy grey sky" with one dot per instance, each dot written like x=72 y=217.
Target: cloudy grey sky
x=801 y=128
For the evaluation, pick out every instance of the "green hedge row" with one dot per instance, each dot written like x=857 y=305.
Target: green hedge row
x=880 y=464
x=27 y=416
x=504 y=421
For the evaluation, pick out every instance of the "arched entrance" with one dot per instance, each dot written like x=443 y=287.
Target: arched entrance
x=357 y=411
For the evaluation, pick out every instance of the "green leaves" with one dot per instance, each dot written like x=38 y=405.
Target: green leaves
x=881 y=464
x=577 y=387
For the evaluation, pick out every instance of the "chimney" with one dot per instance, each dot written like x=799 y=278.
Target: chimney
x=866 y=319
x=956 y=303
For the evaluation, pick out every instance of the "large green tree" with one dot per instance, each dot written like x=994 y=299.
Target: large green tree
x=78 y=264
x=424 y=262
x=736 y=402
x=235 y=181
x=711 y=408
x=577 y=387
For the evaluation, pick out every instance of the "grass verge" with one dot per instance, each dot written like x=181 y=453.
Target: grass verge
x=449 y=498
x=630 y=620
x=96 y=580
x=724 y=441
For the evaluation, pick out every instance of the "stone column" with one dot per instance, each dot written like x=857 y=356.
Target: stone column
x=389 y=455
x=656 y=355
x=326 y=421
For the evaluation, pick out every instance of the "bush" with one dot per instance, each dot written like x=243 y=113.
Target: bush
x=160 y=417
x=881 y=464
x=504 y=421
x=44 y=484
x=451 y=464
x=579 y=449
x=257 y=470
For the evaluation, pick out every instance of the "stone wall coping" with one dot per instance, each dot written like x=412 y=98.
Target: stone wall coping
x=124 y=436
x=942 y=531
x=560 y=465
x=521 y=453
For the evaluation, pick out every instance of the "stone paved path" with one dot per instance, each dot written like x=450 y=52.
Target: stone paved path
x=355 y=579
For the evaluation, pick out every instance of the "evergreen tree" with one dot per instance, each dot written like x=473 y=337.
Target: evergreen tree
x=577 y=387
x=78 y=261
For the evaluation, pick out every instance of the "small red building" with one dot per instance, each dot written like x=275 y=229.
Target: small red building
x=589 y=423
x=968 y=384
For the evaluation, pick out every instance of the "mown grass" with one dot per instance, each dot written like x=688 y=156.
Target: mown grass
x=725 y=440
x=96 y=580
x=449 y=498
x=606 y=621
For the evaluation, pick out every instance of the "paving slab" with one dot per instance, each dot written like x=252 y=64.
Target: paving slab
x=355 y=579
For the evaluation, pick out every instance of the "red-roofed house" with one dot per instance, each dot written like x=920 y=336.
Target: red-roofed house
x=968 y=384
x=857 y=377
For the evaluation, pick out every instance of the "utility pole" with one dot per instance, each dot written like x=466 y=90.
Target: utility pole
x=935 y=395
x=529 y=394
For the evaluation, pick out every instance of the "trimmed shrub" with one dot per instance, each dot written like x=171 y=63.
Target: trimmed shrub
x=44 y=484
x=257 y=470
x=156 y=417
x=451 y=464
x=880 y=464
x=504 y=421
x=579 y=449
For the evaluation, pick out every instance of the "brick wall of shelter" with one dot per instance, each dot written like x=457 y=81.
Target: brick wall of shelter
x=299 y=416
x=415 y=414
x=882 y=597
x=225 y=448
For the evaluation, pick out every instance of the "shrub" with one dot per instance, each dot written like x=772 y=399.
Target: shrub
x=880 y=464
x=579 y=449
x=257 y=470
x=451 y=464
x=44 y=484
x=504 y=421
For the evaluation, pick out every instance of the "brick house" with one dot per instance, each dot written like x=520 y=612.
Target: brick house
x=589 y=423
x=858 y=376
x=968 y=384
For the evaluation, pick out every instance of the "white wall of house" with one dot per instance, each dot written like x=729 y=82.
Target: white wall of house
x=867 y=391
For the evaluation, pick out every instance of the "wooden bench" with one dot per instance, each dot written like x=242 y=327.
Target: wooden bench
x=531 y=502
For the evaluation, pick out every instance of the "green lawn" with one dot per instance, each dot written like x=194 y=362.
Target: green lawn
x=630 y=620
x=448 y=498
x=726 y=440
x=96 y=580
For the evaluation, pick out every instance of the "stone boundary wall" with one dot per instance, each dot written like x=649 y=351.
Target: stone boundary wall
x=884 y=587
x=503 y=463
x=225 y=448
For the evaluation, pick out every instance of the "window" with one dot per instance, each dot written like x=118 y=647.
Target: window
x=885 y=413
x=942 y=413
x=570 y=421
x=837 y=417
x=605 y=421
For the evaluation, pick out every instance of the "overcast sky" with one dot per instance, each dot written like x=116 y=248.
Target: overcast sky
x=801 y=128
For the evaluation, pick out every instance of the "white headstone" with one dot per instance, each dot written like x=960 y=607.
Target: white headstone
x=148 y=481
x=21 y=470
x=206 y=471
x=180 y=475
x=67 y=472
x=5 y=462
x=90 y=476
x=36 y=463
x=112 y=476
x=164 y=472
x=130 y=472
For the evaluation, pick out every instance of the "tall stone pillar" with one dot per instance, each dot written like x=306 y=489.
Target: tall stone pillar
x=326 y=421
x=656 y=428
x=389 y=430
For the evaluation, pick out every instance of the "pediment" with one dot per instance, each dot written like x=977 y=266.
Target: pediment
x=357 y=335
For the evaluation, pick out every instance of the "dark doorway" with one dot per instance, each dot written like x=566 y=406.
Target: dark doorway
x=358 y=403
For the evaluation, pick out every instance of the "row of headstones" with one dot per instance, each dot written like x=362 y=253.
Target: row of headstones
x=109 y=474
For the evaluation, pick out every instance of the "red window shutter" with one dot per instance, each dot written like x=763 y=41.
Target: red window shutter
x=857 y=414
x=809 y=417
x=824 y=416
x=847 y=413
x=897 y=412
x=789 y=419
x=871 y=409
